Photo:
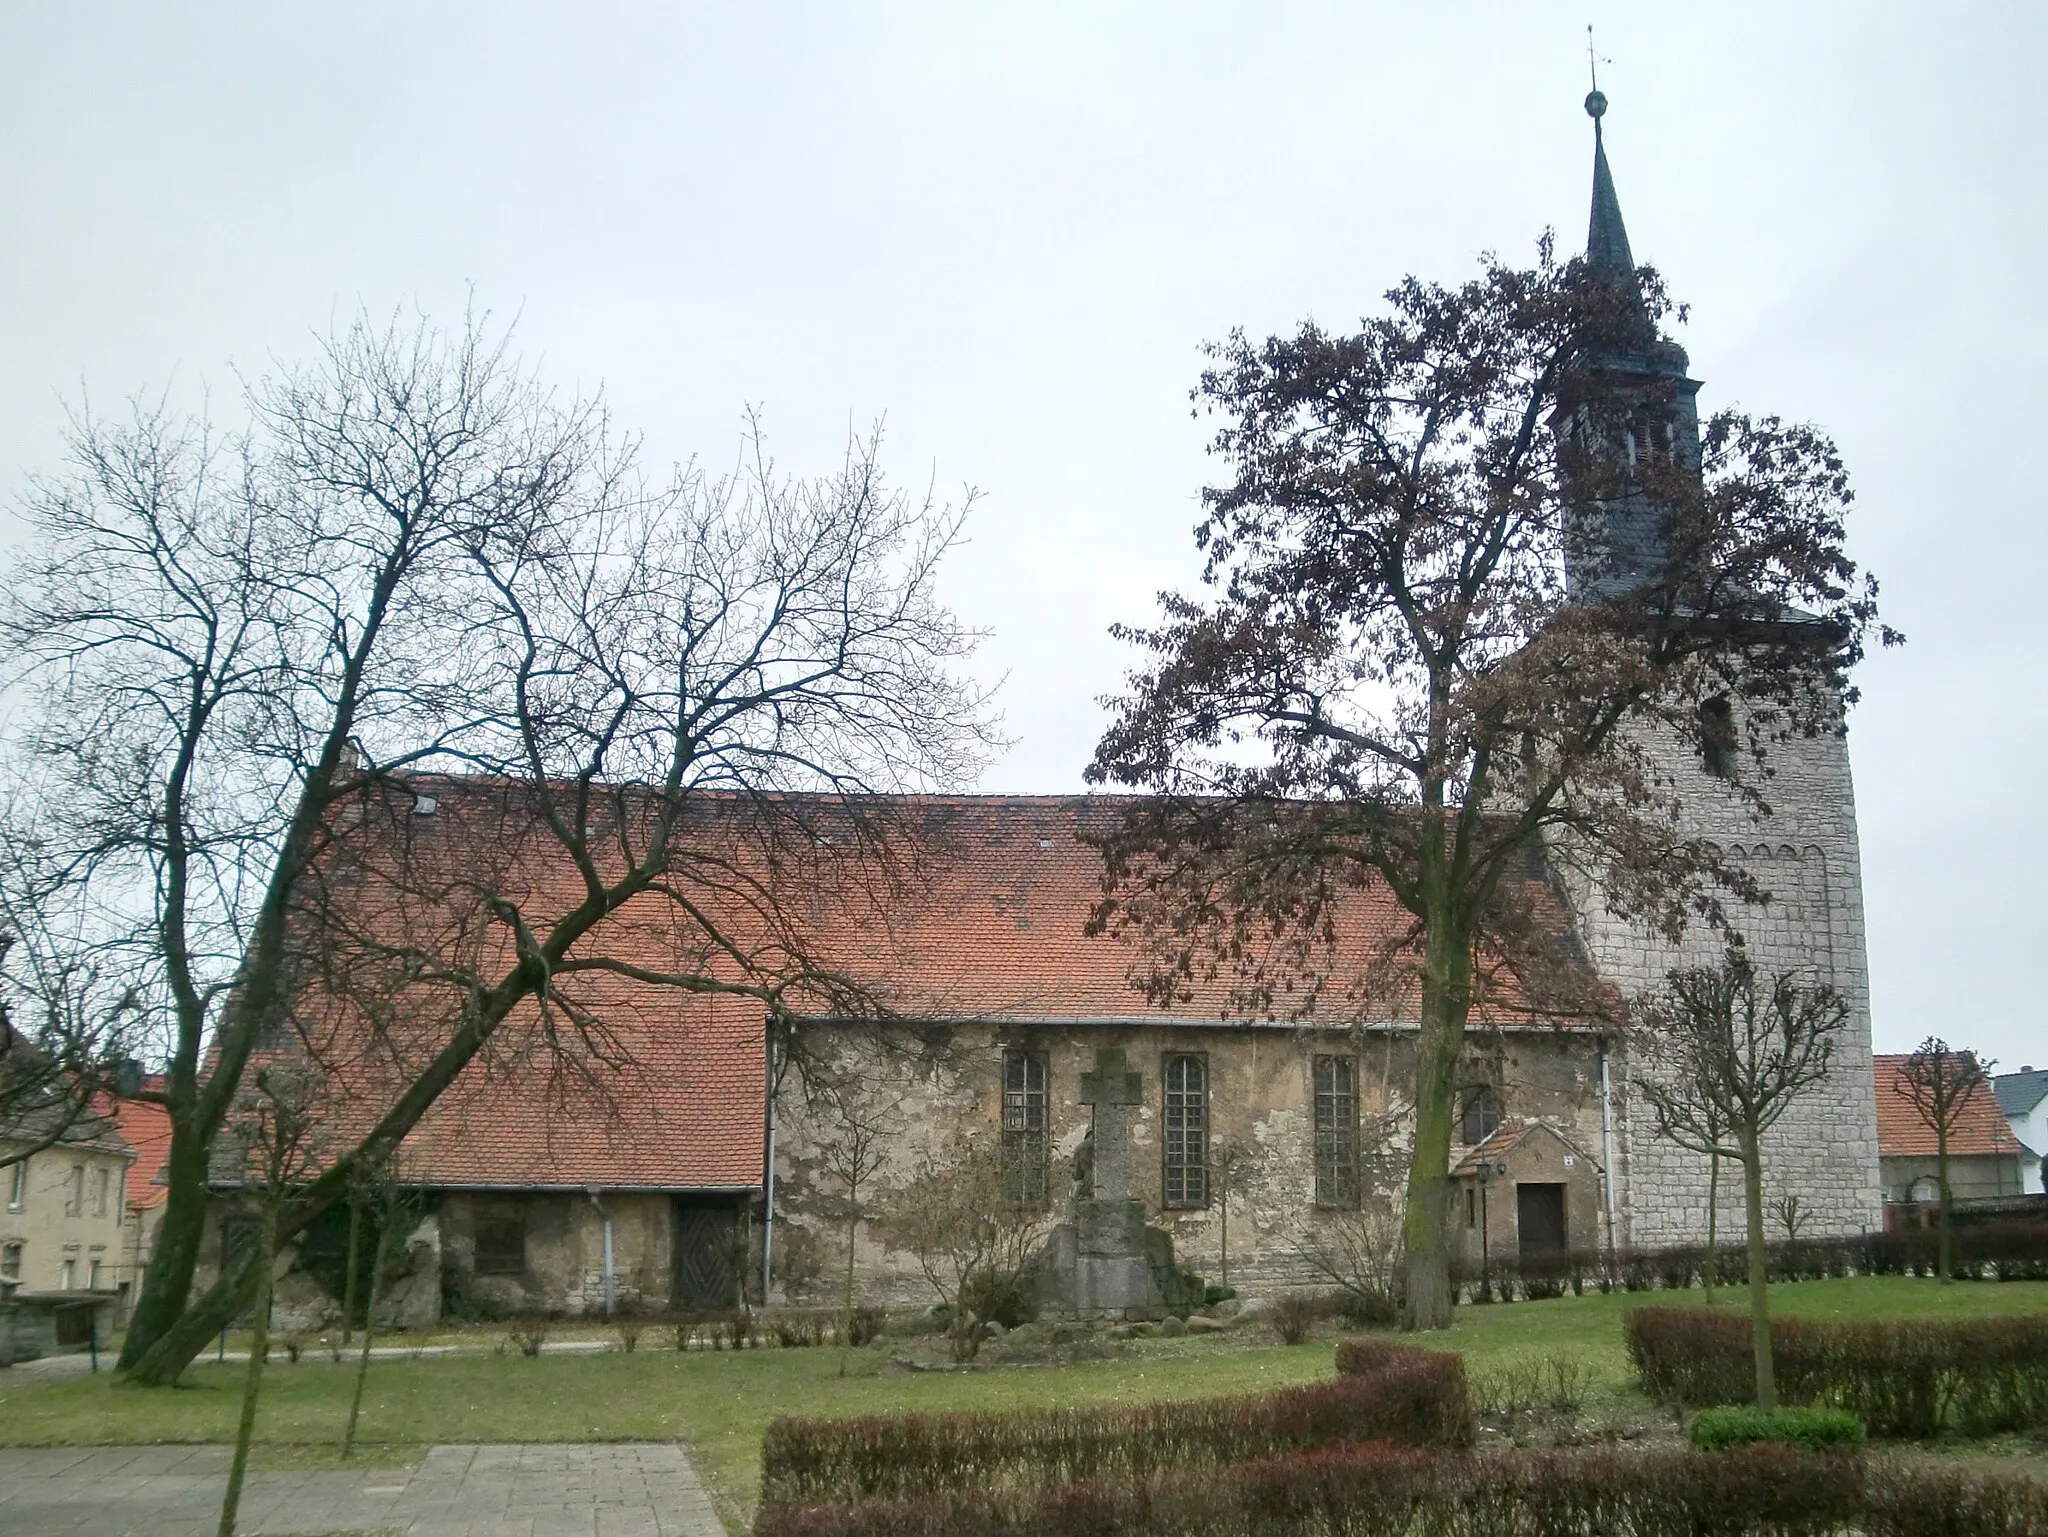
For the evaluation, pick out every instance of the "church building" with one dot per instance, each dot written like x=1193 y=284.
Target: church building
x=711 y=1173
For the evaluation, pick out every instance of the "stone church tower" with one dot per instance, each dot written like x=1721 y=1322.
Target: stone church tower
x=1805 y=853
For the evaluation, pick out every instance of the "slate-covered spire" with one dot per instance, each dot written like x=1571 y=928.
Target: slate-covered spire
x=1606 y=236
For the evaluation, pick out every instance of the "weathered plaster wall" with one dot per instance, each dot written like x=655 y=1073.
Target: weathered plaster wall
x=1260 y=1096
x=564 y=1252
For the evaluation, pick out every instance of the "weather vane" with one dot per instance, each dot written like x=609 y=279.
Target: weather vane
x=1596 y=104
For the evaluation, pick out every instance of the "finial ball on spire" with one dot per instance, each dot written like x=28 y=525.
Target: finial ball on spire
x=1596 y=105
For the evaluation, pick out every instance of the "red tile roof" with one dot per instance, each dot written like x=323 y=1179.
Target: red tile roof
x=990 y=926
x=146 y=1127
x=1980 y=1131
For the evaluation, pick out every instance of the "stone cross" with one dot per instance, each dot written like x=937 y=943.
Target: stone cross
x=1112 y=1089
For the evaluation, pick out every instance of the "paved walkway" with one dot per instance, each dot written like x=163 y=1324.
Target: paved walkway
x=635 y=1489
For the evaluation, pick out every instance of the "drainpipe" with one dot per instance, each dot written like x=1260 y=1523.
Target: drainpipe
x=611 y=1291
x=1607 y=1174
x=768 y=1170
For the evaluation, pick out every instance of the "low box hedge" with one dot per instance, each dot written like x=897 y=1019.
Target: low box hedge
x=1975 y=1376
x=1391 y=1393
x=1389 y=1491
x=1814 y=1429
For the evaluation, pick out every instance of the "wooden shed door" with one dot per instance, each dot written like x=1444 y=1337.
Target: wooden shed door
x=1539 y=1218
x=707 y=1234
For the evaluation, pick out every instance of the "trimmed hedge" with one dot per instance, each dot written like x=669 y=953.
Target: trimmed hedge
x=1396 y=1394
x=2003 y=1250
x=1817 y=1430
x=1975 y=1376
x=1389 y=1491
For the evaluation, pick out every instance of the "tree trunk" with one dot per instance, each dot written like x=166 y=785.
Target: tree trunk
x=1425 y=1229
x=1759 y=1272
x=348 y=1285
x=167 y=1281
x=1708 y=1273
x=846 y=1309
x=1944 y=1253
x=252 y=1384
x=164 y=1362
x=378 y=1265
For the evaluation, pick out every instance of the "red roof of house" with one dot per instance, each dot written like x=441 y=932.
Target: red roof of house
x=146 y=1127
x=669 y=1094
x=1980 y=1130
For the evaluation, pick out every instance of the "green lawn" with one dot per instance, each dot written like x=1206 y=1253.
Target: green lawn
x=720 y=1402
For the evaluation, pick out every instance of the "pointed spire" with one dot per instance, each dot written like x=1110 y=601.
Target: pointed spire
x=1606 y=236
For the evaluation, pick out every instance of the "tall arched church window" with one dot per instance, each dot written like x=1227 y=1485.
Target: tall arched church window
x=1481 y=1117
x=1717 y=737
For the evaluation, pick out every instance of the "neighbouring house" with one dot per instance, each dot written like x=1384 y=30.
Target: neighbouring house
x=674 y=1155
x=146 y=1128
x=2023 y=1100
x=1983 y=1154
x=63 y=1233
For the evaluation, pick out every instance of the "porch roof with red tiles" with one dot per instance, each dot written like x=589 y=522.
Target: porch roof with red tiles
x=991 y=929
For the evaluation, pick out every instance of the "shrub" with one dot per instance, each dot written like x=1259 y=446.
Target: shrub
x=1211 y=1295
x=1928 y=1500
x=864 y=1326
x=1412 y=1396
x=1388 y=1491
x=529 y=1337
x=1975 y=1376
x=1817 y=1430
x=1296 y=1313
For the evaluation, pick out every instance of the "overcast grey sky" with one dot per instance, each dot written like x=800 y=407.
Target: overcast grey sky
x=1009 y=228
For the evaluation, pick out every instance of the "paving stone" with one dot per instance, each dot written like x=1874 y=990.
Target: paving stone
x=635 y=1490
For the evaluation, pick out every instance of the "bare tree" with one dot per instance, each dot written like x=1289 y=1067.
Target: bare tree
x=1728 y=1056
x=376 y=1193
x=1939 y=1082
x=858 y=1124
x=273 y=1136
x=973 y=1241
x=251 y=663
x=1236 y=1166
x=1468 y=568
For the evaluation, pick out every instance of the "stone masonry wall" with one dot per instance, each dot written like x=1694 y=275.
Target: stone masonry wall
x=1806 y=854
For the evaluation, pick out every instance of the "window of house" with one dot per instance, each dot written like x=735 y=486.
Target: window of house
x=92 y=1276
x=102 y=1183
x=10 y=1261
x=1717 y=737
x=17 y=1185
x=1480 y=1117
x=500 y=1237
x=67 y=1275
x=1336 y=1131
x=1024 y=1128
x=74 y=1191
x=1471 y=1207
x=121 y=1196
x=1187 y=1131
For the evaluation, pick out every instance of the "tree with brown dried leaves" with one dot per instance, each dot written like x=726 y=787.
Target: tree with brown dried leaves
x=1415 y=673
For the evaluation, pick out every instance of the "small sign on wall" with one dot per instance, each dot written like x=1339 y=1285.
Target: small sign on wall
x=1569 y=1160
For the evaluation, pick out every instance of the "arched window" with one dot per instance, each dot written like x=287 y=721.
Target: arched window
x=1717 y=737
x=1481 y=1115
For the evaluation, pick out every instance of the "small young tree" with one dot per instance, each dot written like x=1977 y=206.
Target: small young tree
x=1939 y=1082
x=973 y=1241
x=1728 y=1055
x=1235 y=1168
x=858 y=1122
x=274 y=1134
x=377 y=1195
